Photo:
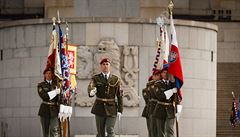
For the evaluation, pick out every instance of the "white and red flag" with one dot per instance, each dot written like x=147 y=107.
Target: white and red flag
x=52 y=49
x=175 y=66
x=164 y=48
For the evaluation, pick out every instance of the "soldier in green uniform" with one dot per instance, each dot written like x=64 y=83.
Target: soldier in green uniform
x=49 y=91
x=106 y=87
x=164 y=111
x=148 y=93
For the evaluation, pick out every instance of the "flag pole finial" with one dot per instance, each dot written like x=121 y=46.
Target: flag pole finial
x=54 y=20
x=58 y=17
x=170 y=7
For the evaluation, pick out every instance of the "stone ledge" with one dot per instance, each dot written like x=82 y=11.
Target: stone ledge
x=109 y=20
x=115 y=136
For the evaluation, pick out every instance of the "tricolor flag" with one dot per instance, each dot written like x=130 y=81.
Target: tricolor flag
x=53 y=60
x=238 y=109
x=52 y=49
x=175 y=66
x=57 y=65
x=233 y=115
x=64 y=64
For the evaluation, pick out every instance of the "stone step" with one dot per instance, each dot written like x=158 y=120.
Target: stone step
x=115 y=136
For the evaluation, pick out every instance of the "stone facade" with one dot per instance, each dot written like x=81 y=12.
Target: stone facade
x=24 y=58
x=227 y=68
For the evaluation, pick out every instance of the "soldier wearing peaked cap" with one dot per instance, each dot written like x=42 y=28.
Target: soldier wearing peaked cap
x=106 y=87
x=48 y=91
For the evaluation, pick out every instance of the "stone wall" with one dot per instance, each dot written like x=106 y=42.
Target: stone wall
x=9 y=7
x=228 y=42
x=25 y=46
x=228 y=62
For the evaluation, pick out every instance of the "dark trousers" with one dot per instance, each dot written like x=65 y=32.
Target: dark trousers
x=103 y=123
x=165 y=127
x=153 y=126
x=50 y=125
x=148 y=126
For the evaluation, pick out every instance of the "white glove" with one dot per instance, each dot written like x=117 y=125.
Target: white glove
x=179 y=110
x=174 y=90
x=170 y=92
x=53 y=93
x=61 y=111
x=57 y=90
x=119 y=114
x=69 y=112
x=65 y=113
x=93 y=92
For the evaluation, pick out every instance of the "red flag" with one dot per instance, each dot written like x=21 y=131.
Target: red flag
x=175 y=66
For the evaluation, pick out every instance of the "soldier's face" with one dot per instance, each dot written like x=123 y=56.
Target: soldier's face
x=105 y=67
x=157 y=77
x=48 y=75
x=164 y=74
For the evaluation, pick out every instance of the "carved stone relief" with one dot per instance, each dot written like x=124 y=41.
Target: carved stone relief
x=89 y=65
x=130 y=72
x=84 y=63
x=84 y=100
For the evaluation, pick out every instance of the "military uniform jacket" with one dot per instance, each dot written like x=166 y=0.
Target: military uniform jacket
x=107 y=90
x=48 y=108
x=161 y=110
x=147 y=98
x=151 y=87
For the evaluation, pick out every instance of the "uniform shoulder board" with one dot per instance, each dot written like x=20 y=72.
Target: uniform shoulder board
x=41 y=83
x=96 y=76
x=144 y=90
x=115 y=77
x=114 y=80
x=151 y=82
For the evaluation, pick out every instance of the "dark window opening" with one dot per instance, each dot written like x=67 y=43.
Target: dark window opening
x=1 y=54
x=211 y=56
